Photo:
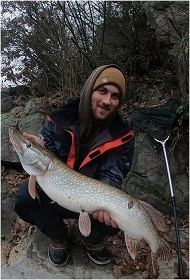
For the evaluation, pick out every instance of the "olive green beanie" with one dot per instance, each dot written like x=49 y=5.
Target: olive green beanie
x=113 y=76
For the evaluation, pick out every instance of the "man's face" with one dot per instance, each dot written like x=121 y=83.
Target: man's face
x=105 y=100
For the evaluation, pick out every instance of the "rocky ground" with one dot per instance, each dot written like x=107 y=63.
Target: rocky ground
x=24 y=249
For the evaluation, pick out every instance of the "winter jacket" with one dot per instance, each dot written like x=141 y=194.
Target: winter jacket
x=108 y=158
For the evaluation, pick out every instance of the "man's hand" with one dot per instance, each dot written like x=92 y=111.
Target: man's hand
x=33 y=138
x=104 y=217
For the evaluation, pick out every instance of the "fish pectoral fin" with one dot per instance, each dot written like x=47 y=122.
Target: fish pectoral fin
x=32 y=186
x=131 y=244
x=156 y=217
x=84 y=223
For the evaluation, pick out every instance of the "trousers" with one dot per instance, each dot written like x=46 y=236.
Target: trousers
x=48 y=216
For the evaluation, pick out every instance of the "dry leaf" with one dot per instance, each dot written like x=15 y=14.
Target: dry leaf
x=169 y=238
x=117 y=271
x=6 y=252
x=145 y=274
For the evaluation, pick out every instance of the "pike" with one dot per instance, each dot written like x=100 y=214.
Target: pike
x=137 y=219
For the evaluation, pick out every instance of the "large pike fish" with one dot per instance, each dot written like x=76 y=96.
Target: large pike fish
x=137 y=219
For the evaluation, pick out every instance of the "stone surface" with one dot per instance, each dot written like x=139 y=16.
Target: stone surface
x=148 y=178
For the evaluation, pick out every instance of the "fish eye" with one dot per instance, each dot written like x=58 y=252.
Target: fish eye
x=28 y=145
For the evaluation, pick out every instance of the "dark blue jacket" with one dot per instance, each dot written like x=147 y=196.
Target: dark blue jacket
x=108 y=158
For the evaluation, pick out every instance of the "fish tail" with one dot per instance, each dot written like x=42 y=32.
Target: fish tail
x=164 y=251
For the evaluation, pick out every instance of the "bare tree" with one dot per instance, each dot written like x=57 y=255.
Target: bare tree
x=58 y=43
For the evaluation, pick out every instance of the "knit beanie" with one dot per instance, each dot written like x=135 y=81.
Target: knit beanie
x=113 y=76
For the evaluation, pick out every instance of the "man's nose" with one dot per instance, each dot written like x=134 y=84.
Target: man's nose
x=107 y=99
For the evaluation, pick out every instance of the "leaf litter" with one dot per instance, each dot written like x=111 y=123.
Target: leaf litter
x=19 y=228
x=123 y=265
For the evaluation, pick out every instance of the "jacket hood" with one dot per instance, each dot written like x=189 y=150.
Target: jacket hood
x=88 y=126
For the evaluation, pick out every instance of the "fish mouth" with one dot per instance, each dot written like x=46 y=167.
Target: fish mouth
x=15 y=140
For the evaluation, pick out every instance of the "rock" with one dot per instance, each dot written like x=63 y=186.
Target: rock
x=9 y=96
x=32 y=106
x=7 y=120
x=17 y=90
x=29 y=257
x=148 y=178
x=29 y=260
x=30 y=123
x=7 y=209
x=6 y=104
x=172 y=34
x=5 y=189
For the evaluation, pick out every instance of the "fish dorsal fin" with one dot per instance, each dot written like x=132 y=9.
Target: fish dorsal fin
x=84 y=223
x=156 y=217
x=32 y=186
x=131 y=244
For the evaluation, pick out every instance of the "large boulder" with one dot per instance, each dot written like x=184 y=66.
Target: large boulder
x=9 y=97
x=26 y=120
x=170 y=22
x=148 y=179
x=7 y=120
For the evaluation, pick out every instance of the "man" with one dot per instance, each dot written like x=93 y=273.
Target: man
x=76 y=133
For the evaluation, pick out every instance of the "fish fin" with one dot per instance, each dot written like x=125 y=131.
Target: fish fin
x=84 y=223
x=154 y=264
x=32 y=186
x=156 y=217
x=131 y=244
x=164 y=252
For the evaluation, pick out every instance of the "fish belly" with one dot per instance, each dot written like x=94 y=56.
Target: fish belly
x=76 y=194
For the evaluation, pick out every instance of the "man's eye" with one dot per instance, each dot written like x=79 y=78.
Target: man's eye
x=101 y=90
x=115 y=96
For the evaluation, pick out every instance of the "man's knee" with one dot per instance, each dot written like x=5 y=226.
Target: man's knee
x=23 y=200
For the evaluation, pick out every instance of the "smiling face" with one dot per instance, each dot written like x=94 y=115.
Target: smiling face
x=105 y=101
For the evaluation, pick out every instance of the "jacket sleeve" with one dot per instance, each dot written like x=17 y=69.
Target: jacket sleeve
x=47 y=134
x=56 y=140
x=115 y=165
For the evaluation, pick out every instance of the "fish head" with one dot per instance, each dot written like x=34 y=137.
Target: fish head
x=32 y=156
